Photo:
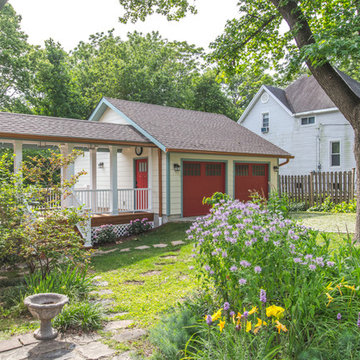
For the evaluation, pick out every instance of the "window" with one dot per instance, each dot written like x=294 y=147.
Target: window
x=258 y=170
x=335 y=153
x=191 y=169
x=265 y=123
x=213 y=170
x=308 y=120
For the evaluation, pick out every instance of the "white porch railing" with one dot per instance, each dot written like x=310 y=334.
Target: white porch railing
x=129 y=200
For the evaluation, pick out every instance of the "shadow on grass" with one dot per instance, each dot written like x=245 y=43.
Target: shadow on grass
x=164 y=235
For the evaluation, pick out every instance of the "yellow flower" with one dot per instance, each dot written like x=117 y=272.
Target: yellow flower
x=253 y=310
x=329 y=287
x=248 y=326
x=276 y=311
x=217 y=315
x=338 y=287
x=330 y=298
x=280 y=326
x=260 y=323
x=221 y=325
x=350 y=287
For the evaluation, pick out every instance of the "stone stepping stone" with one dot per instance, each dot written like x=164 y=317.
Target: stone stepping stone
x=100 y=283
x=129 y=335
x=168 y=257
x=134 y=282
x=114 y=315
x=117 y=325
x=151 y=273
x=125 y=250
x=95 y=350
x=98 y=277
x=160 y=245
x=108 y=251
x=143 y=247
x=102 y=292
x=165 y=263
x=177 y=242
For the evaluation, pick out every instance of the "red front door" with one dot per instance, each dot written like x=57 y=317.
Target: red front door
x=141 y=183
x=251 y=178
x=201 y=179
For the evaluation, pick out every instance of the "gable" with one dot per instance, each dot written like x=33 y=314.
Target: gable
x=110 y=116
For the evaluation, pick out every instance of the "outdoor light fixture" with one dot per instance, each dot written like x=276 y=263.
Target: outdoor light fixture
x=101 y=165
x=176 y=167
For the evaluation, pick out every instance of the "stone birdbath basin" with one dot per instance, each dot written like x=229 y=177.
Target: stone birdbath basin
x=45 y=307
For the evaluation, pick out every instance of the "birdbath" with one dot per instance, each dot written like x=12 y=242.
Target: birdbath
x=45 y=307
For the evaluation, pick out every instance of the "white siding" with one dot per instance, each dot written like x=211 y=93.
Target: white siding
x=110 y=116
x=175 y=176
x=310 y=144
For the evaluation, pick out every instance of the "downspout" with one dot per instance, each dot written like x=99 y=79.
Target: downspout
x=285 y=162
x=318 y=138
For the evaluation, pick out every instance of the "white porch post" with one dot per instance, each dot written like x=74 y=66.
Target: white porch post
x=113 y=180
x=18 y=155
x=93 y=177
x=66 y=172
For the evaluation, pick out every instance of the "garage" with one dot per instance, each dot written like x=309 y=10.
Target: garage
x=251 y=178
x=201 y=179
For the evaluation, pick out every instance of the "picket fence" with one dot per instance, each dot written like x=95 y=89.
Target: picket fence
x=314 y=188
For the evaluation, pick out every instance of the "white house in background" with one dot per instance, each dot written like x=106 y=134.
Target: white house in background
x=302 y=120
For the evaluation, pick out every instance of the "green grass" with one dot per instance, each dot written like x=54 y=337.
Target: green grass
x=328 y=222
x=144 y=296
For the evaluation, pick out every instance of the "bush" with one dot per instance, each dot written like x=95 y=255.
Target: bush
x=138 y=226
x=345 y=207
x=297 y=206
x=82 y=316
x=105 y=234
x=250 y=258
x=69 y=281
x=326 y=206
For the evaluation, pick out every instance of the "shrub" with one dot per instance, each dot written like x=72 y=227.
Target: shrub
x=105 y=234
x=139 y=226
x=82 y=316
x=326 y=206
x=69 y=281
x=243 y=250
x=345 y=207
x=297 y=206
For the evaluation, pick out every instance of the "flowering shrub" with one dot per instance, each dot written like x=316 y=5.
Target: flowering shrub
x=243 y=250
x=104 y=234
x=139 y=226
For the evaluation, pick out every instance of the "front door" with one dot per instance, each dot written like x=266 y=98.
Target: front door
x=141 y=184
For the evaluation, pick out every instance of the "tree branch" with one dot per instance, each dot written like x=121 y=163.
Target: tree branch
x=2 y=3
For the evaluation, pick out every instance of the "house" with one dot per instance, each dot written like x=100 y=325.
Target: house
x=151 y=161
x=303 y=121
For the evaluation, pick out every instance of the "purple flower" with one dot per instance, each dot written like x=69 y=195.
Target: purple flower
x=276 y=243
x=312 y=267
x=257 y=269
x=266 y=238
x=233 y=268
x=358 y=322
x=338 y=316
x=232 y=313
x=330 y=263
x=212 y=272
x=207 y=267
x=242 y=281
x=226 y=306
x=263 y=296
x=224 y=254
x=245 y=263
x=245 y=314
x=208 y=319
x=191 y=268
x=297 y=260
x=248 y=243
x=308 y=256
x=250 y=232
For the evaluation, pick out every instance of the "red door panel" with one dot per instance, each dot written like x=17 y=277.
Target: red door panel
x=201 y=179
x=141 y=172
x=251 y=178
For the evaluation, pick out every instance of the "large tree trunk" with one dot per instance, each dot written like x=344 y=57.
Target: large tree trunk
x=2 y=3
x=346 y=100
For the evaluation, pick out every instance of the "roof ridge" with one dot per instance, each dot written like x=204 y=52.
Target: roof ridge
x=166 y=106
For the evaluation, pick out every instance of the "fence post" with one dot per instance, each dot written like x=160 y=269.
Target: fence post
x=311 y=189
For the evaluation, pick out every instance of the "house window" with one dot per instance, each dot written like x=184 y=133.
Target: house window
x=335 y=153
x=265 y=123
x=308 y=120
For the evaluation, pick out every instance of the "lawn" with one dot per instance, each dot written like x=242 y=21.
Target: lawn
x=146 y=283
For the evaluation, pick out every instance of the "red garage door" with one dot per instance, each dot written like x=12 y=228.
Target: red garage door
x=251 y=178
x=201 y=179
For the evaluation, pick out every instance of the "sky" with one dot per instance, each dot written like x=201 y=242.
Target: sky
x=71 y=21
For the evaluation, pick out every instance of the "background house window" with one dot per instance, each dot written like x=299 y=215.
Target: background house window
x=308 y=120
x=265 y=123
x=335 y=153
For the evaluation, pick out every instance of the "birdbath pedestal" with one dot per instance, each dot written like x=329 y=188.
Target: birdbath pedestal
x=45 y=307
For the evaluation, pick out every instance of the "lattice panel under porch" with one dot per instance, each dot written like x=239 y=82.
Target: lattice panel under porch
x=120 y=229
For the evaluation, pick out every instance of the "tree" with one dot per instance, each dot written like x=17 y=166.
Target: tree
x=323 y=34
x=2 y=3
x=14 y=62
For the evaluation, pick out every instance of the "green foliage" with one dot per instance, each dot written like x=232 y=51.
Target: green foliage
x=216 y=198
x=345 y=207
x=71 y=281
x=275 y=204
x=241 y=249
x=297 y=206
x=325 y=206
x=138 y=226
x=105 y=234
x=82 y=316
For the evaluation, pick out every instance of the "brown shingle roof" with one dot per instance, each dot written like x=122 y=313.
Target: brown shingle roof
x=179 y=129
x=24 y=126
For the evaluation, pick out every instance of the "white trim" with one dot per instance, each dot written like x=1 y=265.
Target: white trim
x=330 y=153
x=320 y=111
x=256 y=98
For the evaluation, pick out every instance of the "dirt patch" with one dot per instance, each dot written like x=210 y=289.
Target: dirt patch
x=133 y=282
x=151 y=273
x=165 y=263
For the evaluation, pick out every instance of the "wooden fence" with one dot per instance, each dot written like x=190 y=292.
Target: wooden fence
x=316 y=187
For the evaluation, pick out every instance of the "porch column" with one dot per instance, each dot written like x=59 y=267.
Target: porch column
x=160 y=186
x=18 y=155
x=66 y=172
x=93 y=176
x=114 y=180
